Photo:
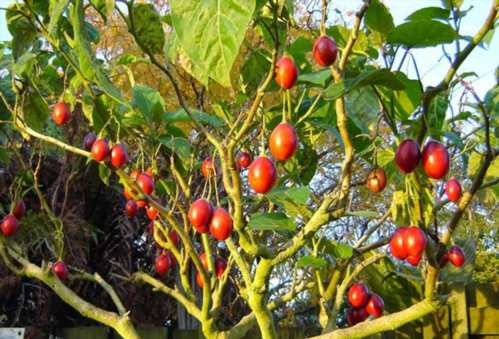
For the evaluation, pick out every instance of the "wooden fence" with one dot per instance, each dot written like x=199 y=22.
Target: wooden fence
x=472 y=313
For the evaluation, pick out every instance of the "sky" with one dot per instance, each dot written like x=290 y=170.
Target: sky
x=432 y=66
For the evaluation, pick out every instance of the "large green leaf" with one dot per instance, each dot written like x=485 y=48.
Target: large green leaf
x=182 y=116
x=335 y=249
x=430 y=13
x=56 y=8
x=35 y=111
x=401 y=103
x=319 y=78
x=378 y=18
x=148 y=27
x=22 y=30
x=422 y=33
x=278 y=222
x=293 y=200
x=436 y=114
x=211 y=33
x=180 y=146
x=149 y=102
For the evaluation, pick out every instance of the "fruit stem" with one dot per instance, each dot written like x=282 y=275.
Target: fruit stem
x=262 y=136
x=288 y=98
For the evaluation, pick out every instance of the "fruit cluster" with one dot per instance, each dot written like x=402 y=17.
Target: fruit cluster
x=408 y=243
x=455 y=255
x=220 y=267
x=363 y=304
x=10 y=223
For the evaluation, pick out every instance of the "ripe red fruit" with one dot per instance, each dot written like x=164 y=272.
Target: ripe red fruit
x=444 y=259
x=243 y=160
x=355 y=316
x=358 y=295
x=397 y=244
x=60 y=270
x=375 y=305
x=9 y=225
x=435 y=160
x=414 y=259
x=141 y=203
x=203 y=259
x=152 y=212
x=100 y=149
x=200 y=214
x=131 y=208
x=207 y=167
x=61 y=113
x=453 y=190
x=174 y=238
x=119 y=156
x=376 y=180
x=89 y=140
x=162 y=264
x=286 y=72
x=283 y=141
x=145 y=183
x=408 y=156
x=173 y=260
x=221 y=224
x=415 y=241
x=325 y=51
x=220 y=266
x=19 y=210
x=262 y=174
x=456 y=256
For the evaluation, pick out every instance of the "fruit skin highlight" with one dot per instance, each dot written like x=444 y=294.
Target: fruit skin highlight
x=286 y=72
x=435 y=160
x=453 y=190
x=262 y=174
x=283 y=141
x=221 y=224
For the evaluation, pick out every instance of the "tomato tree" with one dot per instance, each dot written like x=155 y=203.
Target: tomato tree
x=260 y=194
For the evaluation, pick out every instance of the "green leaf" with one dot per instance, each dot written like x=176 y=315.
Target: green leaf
x=381 y=77
x=475 y=163
x=378 y=18
x=182 y=116
x=299 y=49
x=103 y=7
x=211 y=33
x=254 y=69
x=22 y=30
x=436 y=114
x=335 y=249
x=149 y=102
x=25 y=63
x=148 y=27
x=422 y=33
x=320 y=78
x=104 y=173
x=35 y=111
x=430 y=13
x=310 y=261
x=334 y=91
x=278 y=222
x=180 y=146
x=298 y=195
x=56 y=8
x=363 y=214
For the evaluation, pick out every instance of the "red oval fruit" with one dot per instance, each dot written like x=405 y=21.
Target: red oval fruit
x=162 y=264
x=200 y=214
x=358 y=295
x=220 y=266
x=119 y=156
x=283 y=141
x=376 y=180
x=89 y=140
x=221 y=224
x=61 y=113
x=199 y=280
x=60 y=269
x=444 y=259
x=131 y=208
x=19 y=210
x=9 y=225
x=375 y=305
x=456 y=256
x=414 y=259
x=408 y=155
x=286 y=72
x=100 y=149
x=435 y=160
x=207 y=168
x=262 y=174
x=243 y=160
x=397 y=244
x=152 y=212
x=453 y=190
x=325 y=51
x=145 y=183
x=174 y=238
x=415 y=241
x=355 y=316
